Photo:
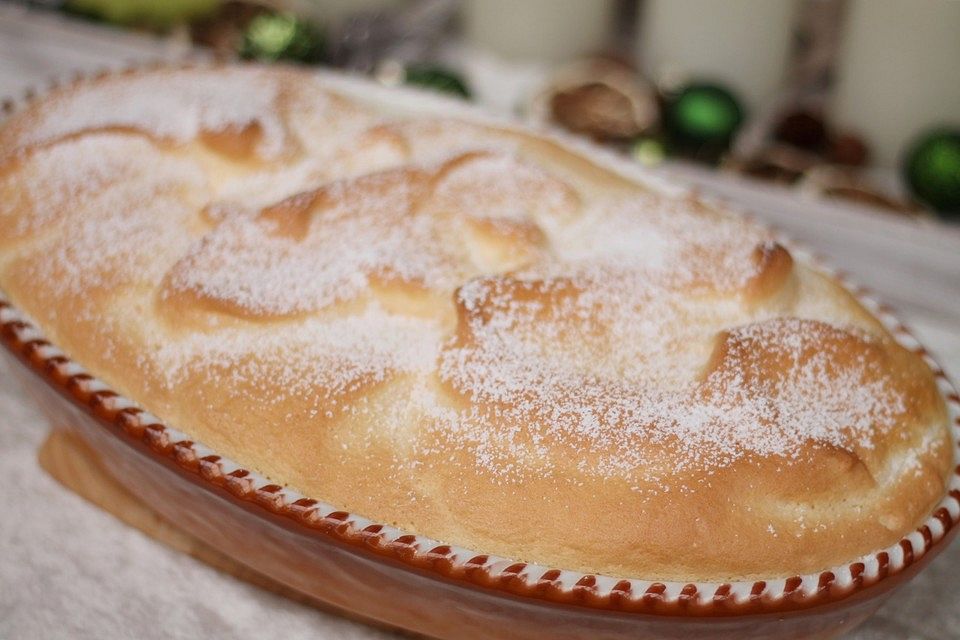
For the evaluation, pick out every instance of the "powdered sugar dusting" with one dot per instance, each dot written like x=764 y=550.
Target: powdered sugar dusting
x=97 y=173
x=538 y=380
x=176 y=105
x=359 y=231
x=435 y=140
x=318 y=359
x=497 y=186
x=541 y=330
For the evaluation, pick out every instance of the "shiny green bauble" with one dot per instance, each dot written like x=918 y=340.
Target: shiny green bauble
x=701 y=119
x=932 y=170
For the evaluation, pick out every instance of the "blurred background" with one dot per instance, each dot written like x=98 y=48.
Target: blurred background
x=856 y=100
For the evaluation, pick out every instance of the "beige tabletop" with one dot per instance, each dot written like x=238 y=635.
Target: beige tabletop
x=69 y=570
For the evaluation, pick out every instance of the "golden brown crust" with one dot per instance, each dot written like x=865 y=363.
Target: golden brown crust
x=472 y=333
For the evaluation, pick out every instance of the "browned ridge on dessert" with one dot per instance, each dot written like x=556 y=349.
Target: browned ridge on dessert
x=468 y=331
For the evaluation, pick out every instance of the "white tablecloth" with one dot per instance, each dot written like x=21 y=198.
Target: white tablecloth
x=69 y=570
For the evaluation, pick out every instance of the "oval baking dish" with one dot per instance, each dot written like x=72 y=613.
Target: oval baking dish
x=428 y=586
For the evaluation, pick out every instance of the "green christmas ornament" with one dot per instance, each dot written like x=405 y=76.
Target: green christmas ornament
x=282 y=36
x=702 y=119
x=932 y=170
x=438 y=79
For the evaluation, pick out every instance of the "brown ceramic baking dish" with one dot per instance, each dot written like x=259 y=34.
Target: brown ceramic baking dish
x=411 y=582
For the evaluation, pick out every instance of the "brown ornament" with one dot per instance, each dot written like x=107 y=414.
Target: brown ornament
x=600 y=98
x=849 y=150
x=803 y=129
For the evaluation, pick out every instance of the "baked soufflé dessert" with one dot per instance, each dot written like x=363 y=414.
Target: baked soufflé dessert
x=468 y=331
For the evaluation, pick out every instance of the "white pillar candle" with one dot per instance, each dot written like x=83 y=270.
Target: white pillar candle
x=743 y=44
x=899 y=72
x=538 y=30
